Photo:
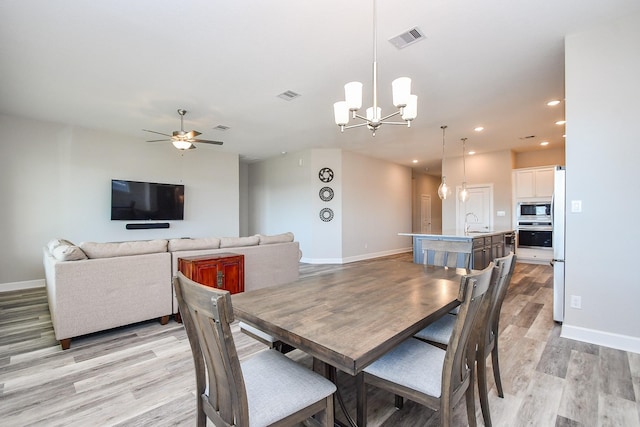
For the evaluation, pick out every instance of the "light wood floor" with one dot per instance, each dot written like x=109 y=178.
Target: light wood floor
x=142 y=375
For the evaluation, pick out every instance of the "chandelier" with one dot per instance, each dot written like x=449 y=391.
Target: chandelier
x=403 y=100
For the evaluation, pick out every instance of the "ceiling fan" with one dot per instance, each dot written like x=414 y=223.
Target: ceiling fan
x=180 y=139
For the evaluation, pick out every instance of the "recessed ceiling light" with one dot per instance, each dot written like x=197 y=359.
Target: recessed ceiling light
x=544 y=143
x=471 y=153
x=414 y=161
x=561 y=122
x=553 y=103
x=479 y=129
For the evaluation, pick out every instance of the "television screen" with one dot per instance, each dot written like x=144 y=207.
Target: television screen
x=132 y=200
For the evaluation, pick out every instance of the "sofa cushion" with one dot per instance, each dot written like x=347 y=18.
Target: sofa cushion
x=276 y=238
x=57 y=242
x=236 y=242
x=111 y=250
x=193 y=244
x=68 y=253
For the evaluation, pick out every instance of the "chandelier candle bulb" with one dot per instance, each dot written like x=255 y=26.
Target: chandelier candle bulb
x=341 y=113
x=401 y=88
x=353 y=95
x=374 y=118
x=410 y=111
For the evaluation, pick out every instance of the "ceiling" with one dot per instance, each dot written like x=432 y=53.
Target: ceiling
x=123 y=65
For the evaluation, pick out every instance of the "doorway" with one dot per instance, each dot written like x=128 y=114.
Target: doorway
x=425 y=214
x=476 y=211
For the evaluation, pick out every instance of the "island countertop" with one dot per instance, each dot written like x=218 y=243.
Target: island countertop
x=460 y=235
x=487 y=244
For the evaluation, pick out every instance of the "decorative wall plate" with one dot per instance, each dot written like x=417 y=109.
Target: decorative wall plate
x=326 y=214
x=326 y=194
x=325 y=175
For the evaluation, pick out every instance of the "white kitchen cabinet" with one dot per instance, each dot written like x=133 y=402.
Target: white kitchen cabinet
x=533 y=183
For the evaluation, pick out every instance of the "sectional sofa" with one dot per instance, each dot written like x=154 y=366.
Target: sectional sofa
x=92 y=287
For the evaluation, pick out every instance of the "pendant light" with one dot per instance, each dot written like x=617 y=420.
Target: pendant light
x=443 y=189
x=463 y=195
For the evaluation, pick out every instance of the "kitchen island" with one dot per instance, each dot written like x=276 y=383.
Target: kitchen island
x=487 y=245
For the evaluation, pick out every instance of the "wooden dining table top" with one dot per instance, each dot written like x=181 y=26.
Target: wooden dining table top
x=351 y=317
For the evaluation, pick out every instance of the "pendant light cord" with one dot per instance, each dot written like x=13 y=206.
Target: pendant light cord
x=464 y=163
x=443 y=127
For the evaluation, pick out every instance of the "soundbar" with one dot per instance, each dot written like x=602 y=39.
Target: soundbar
x=146 y=226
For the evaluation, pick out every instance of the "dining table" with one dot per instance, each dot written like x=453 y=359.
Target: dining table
x=350 y=317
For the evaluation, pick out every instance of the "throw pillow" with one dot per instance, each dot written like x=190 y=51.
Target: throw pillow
x=57 y=242
x=193 y=244
x=110 y=250
x=276 y=238
x=236 y=242
x=68 y=253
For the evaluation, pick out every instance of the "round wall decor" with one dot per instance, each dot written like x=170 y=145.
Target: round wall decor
x=325 y=174
x=326 y=214
x=326 y=194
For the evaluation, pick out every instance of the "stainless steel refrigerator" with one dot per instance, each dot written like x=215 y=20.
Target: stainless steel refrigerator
x=558 y=205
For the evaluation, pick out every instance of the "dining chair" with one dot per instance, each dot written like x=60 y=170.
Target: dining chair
x=486 y=330
x=268 y=389
x=447 y=253
x=429 y=375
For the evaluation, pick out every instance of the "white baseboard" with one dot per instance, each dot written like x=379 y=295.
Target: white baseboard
x=354 y=258
x=16 y=286
x=607 y=339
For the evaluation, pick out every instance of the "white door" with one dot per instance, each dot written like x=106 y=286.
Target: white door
x=476 y=211
x=425 y=214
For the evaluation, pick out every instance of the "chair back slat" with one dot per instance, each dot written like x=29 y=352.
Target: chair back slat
x=206 y=314
x=458 y=359
x=498 y=294
x=455 y=254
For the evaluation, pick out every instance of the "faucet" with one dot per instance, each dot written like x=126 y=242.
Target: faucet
x=466 y=223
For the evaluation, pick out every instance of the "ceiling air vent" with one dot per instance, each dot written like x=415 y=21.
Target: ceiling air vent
x=407 y=38
x=288 y=95
x=221 y=128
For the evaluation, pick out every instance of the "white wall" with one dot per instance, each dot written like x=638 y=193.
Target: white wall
x=55 y=181
x=278 y=197
x=602 y=154
x=376 y=202
x=371 y=204
x=491 y=168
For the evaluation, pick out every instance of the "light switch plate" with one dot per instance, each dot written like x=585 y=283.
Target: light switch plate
x=576 y=206
x=501 y=213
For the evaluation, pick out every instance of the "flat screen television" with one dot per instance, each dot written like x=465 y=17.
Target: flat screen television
x=133 y=200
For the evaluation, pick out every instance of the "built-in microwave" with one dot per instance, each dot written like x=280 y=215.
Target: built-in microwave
x=531 y=209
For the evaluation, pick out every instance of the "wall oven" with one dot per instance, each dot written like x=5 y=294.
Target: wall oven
x=535 y=225
x=537 y=238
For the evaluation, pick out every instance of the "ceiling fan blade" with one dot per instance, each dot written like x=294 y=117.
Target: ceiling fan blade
x=159 y=140
x=205 y=141
x=153 y=131
x=192 y=134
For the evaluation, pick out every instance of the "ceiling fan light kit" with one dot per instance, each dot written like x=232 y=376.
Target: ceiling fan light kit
x=403 y=100
x=183 y=140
